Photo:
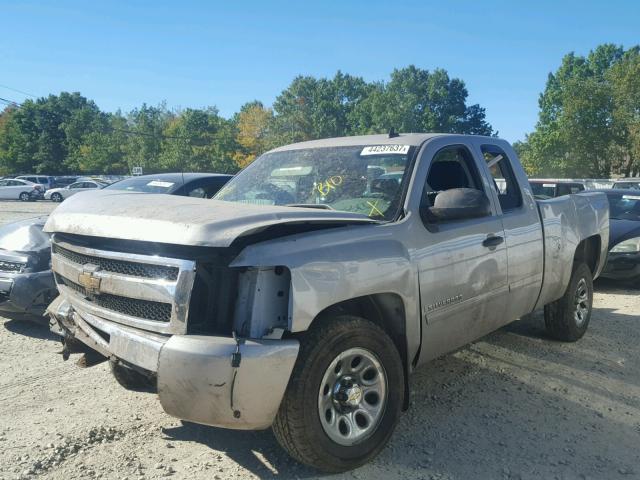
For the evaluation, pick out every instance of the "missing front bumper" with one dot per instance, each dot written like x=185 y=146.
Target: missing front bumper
x=196 y=379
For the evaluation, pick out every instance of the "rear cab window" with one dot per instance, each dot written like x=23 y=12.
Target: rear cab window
x=504 y=180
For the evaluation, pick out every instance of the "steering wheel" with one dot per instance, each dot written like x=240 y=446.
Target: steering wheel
x=278 y=195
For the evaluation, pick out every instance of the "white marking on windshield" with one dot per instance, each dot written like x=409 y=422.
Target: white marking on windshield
x=385 y=150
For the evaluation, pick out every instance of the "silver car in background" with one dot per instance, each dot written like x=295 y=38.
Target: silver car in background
x=60 y=194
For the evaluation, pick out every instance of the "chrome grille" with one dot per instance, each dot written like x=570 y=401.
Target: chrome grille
x=142 y=291
x=135 y=269
x=13 y=267
x=144 y=309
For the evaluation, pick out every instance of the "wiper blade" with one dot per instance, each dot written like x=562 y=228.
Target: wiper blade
x=319 y=206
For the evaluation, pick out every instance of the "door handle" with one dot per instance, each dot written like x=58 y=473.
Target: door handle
x=492 y=241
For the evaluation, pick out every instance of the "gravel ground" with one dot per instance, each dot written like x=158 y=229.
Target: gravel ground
x=514 y=405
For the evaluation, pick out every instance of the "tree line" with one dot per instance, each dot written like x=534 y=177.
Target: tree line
x=68 y=133
x=589 y=118
x=588 y=123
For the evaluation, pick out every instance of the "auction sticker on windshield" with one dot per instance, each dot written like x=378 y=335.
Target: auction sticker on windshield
x=385 y=150
x=158 y=183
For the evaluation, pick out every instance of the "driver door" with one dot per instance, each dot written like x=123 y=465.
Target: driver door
x=462 y=265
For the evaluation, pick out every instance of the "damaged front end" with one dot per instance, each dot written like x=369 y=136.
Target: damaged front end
x=210 y=335
x=26 y=281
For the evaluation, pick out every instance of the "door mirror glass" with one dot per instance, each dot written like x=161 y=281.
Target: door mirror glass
x=458 y=204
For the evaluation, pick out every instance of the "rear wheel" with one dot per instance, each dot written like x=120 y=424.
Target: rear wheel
x=344 y=397
x=568 y=317
x=24 y=196
x=56 y=197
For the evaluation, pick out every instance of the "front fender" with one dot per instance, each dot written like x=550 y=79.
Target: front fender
x=340 y=264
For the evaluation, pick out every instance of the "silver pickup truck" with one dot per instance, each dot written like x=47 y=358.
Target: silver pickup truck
x=307 y=291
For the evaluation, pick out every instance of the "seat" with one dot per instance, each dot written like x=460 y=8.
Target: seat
x=446 y=175
x=388 y=187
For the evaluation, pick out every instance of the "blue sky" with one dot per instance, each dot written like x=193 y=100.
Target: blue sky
x=195 y=54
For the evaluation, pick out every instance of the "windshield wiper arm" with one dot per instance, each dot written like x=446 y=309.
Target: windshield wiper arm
x=320 y=206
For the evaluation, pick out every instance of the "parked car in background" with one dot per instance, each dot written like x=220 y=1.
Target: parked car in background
x=543 y=189
x=60 y=194
x=16 y=189
x=26 y=283
x=623 y=262
x=46 y=181
x=627 y=183
x=62 y=181
x=200 y=185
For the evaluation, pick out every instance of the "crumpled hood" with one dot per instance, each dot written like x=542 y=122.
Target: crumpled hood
x=179 y=220
x=24 y=236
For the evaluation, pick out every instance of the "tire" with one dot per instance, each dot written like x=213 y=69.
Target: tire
x=319 y=439
x=567 y=319
x=56 y=197
x=24 y=197
x=132 y=380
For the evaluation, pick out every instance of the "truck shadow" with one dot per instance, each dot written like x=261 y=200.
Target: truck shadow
x=512 y=405
x=28 y=325
x=258 y=452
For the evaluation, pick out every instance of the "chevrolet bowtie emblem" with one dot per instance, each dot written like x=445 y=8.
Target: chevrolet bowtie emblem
x=89 y=280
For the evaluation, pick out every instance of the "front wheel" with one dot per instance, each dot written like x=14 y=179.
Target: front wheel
x=344 y=397
x=24 y=197
x=568 y=317
x=56 y=197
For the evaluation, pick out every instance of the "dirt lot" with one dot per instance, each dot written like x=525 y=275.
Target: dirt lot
x=514 y=405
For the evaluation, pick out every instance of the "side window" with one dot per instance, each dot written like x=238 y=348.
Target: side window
x=76 y=185
x=452 y=167
x=89 y=185
x=504 y=179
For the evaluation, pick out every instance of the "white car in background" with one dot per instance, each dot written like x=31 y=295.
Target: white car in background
x=59 y=194
x=45 y=181
x=16 y=189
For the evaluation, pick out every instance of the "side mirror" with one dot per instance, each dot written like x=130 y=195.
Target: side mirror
x=458 y=204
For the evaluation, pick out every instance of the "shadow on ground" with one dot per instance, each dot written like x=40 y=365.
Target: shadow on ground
x=36 y=327
x=492 y=410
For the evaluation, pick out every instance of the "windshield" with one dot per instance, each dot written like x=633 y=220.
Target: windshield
x=143 y=184
x=628 y=185
x=543 y=190
x=624 y=207
x=364 y=179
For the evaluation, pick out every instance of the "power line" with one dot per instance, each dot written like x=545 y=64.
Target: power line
x=10 y=102
x=19 y=91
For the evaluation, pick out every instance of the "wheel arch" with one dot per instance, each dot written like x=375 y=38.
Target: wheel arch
x=588 y=251
x=387 y=310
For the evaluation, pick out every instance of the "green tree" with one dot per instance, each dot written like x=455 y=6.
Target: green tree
x=38 y=135
x=144 y=140
x=586 y=122
x=313 y=108
x=198 y=140
x=625 y=79
x=254 y=124
x=417 y=100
